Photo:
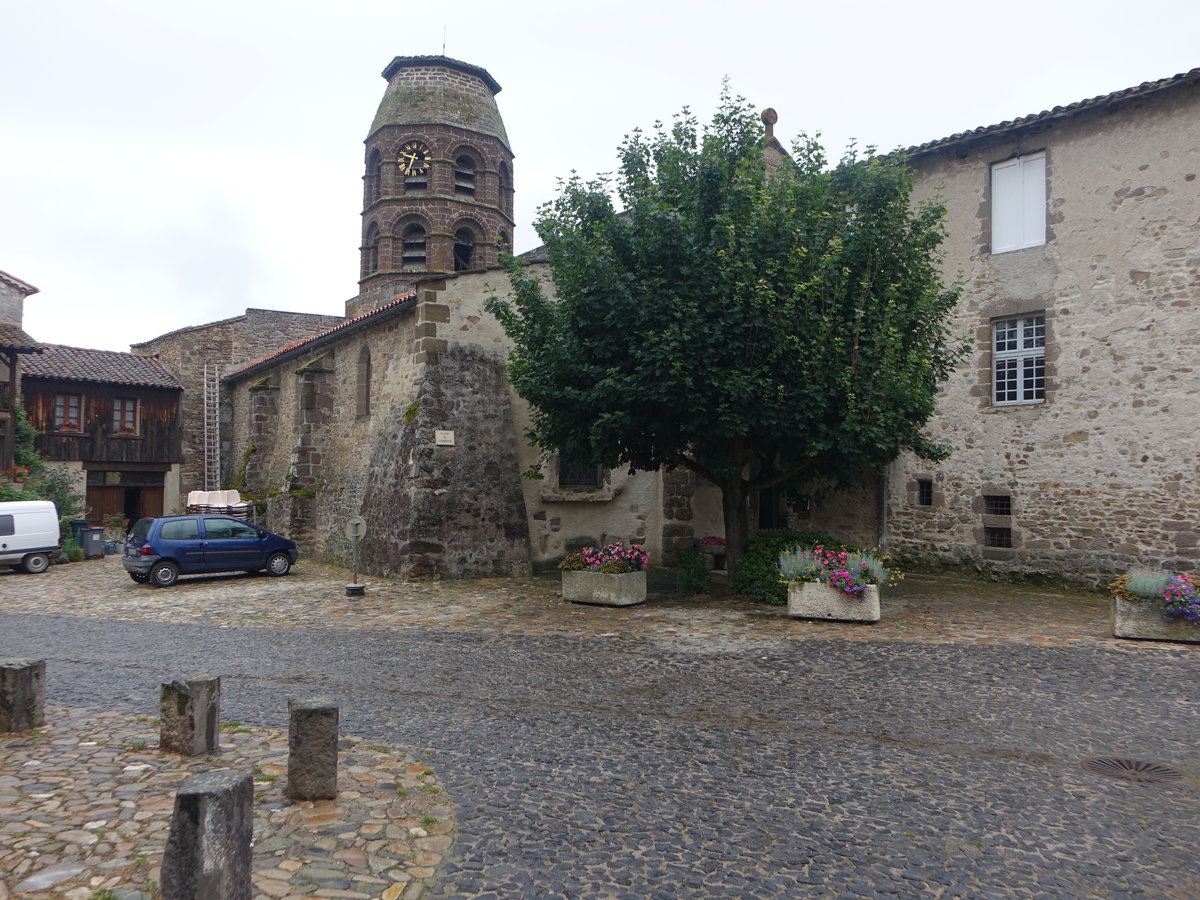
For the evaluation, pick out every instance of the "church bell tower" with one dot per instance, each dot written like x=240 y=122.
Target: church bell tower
x=438 y=195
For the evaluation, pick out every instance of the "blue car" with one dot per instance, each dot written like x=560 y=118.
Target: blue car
x=161 y=549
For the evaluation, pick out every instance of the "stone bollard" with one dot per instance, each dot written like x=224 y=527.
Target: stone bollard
x=22 y=693
x=312 y=749
x=190 y=708
x=208 y=854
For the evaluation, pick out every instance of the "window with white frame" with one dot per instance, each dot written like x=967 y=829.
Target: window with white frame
x=1019 y=203
x=1019 y=360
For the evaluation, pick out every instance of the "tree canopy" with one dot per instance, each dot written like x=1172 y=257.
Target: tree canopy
x=759 y=324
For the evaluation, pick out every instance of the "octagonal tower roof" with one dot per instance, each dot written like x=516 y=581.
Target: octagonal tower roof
x=438 y=90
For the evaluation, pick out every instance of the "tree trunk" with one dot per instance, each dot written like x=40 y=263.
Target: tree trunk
x=737 y=520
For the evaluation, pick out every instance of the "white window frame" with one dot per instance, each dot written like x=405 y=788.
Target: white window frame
x=1019 y=203
x=1019 y=360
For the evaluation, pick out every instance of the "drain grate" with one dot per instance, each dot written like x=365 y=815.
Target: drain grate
x=1131 y=770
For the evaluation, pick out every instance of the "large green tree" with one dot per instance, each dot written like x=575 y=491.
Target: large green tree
x=759 y=323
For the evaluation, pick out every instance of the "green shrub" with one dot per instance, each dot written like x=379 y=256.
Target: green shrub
x=757 y=574
x=615 y=567
x=691 y=577
x=71 y=551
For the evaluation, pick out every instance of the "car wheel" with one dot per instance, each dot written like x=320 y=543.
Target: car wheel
x=279 y=564
x=139 y=577
x=164 y=574
x=36 y=563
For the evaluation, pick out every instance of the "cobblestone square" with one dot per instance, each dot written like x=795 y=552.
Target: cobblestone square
x=503 y=743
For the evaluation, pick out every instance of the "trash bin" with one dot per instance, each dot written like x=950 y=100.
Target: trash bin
x=93 y=541
x=77 y=526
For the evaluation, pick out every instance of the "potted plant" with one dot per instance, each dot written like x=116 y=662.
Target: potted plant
x=613 y=575
x=841 y=585
x=1156 y=606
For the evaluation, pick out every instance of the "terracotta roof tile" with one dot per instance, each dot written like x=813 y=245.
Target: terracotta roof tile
x=13 y=338
x=98 y=366
x=1146 y=87
x=13 y=281
x=290 y=348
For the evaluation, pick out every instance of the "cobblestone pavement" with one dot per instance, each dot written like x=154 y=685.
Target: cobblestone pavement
x=683 y=748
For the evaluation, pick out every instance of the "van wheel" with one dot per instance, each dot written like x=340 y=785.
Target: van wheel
x=278 y=564
x=36 y=563
x=164 y=574
x=139 y=577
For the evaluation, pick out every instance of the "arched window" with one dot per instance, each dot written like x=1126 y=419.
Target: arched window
x=505 y=199
x=413 y=250
x=374 y=177
x=370 y=258
x=503 y=242
x=362 y=392
x=464 y=249
x=464 y=176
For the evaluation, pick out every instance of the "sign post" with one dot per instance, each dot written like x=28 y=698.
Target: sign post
x=354 y=529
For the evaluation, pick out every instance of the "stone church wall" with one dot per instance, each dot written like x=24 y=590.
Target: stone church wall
x=225 y=345
x=1103 y=475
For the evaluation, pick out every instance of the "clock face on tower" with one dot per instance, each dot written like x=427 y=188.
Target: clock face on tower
x=414 y=158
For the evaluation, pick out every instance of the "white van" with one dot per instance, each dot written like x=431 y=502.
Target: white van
x=28 y=534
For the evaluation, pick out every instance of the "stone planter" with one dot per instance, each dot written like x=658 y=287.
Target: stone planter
x=604 y=589
x=714 y=556
x=812 y=600
x=1143 y=620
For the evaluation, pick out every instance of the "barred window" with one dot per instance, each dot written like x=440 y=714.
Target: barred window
x=997 y=537
x=997 y=505
x=576 y=474
x=1019 y=360
x=925 y=492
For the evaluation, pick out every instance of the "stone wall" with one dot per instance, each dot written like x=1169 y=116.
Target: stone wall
x=223 y=345
x=1103 y=474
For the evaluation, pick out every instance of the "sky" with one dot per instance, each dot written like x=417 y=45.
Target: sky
x=165 y=164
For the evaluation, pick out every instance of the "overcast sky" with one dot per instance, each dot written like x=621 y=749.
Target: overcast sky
x=169 y=164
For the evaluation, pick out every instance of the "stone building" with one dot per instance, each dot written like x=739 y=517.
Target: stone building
x=198 y=357
x=1074 y=229
x=1076 y=233
x=14 y=343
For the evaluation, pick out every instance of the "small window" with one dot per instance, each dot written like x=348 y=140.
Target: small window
x=413 y=249
x=575 y=474
x=464 y=176
x=997 y=537
x=362 y=394
x=67 y=412
x=925 y=492
x=1019 y=203
x=994 y=505
x=6 y=526
x=1019 y=360
x=125 y=416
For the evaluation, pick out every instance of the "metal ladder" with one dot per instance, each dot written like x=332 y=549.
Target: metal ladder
x=212 y=428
